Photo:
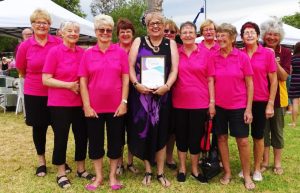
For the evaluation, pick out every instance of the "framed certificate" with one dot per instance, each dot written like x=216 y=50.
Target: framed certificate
x=153 y=71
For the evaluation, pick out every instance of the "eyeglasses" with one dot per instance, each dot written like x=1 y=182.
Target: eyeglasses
x=166 y=31
x=152 y=24
x=186 y=33
x=41 y=23
x=102 y=31
x=209 y=30
x=248 y=33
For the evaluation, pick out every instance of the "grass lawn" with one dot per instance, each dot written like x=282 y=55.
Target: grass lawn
x=18 y=164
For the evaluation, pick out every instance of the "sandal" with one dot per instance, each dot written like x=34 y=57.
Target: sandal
x=224 y=180
x=163 y=180
x=263 y=168
x=278 y=170
x=120 y=169
x=85 y=175
x=147 y=178
x=249 y=185
x=131 y=168
x=63 y=183
x=41 y=171
x=67 y=168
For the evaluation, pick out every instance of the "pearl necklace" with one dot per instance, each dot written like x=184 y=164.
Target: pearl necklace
x=154 y=48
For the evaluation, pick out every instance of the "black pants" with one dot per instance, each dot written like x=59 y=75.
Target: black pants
x=39 y=138
x=114 y=132
x=61 y=119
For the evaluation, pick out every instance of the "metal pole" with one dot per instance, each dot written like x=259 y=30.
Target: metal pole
x=205 y=9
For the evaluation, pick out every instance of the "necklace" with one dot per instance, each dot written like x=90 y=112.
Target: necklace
x=154 y=48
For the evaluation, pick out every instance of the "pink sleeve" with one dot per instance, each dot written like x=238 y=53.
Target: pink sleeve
x=21 y=62
x=125 y=64
x=51 y=61
x=272 y=66
x=82 y=71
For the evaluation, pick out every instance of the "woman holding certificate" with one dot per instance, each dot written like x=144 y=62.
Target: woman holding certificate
x=195 y=77
x=153 y=62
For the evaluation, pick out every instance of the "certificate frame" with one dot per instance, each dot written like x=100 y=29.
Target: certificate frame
x=153 y=71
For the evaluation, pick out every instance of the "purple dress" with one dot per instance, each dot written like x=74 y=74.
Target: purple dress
x=149 y=115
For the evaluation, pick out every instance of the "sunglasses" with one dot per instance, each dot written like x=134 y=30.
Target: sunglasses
x=166 y=31
x=102 y=30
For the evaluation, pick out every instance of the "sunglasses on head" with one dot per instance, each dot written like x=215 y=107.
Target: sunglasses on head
x=169 y=31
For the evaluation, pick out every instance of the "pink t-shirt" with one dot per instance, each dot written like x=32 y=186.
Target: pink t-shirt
x=104 y=73
x=230 y=72
x=191 y=87
x=263 y=62
x=31 y=58
x=216 y=47
x=63 y=64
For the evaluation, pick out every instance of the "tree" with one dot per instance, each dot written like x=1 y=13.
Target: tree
x=132 y=10
x=8 y=44
x=105 y=6
x=293 y=20
x=71 y=5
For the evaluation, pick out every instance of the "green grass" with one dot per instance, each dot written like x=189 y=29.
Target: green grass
x=18 y=164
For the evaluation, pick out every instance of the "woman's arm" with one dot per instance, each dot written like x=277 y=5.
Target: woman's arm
x=88 y=110
x=248 y=112
x=173 y=72
x=122 y=109
x=273 y=89
x=49 y=81
x=211 y=90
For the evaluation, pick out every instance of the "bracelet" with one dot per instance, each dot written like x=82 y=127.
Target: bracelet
x=212 y=101
x=124 y=101
x=271 y=102
x=135 y=83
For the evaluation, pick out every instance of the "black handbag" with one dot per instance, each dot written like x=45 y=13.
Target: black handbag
x=210 y=165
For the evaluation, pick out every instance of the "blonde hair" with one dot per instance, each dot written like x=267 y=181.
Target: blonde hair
x=102 y=19
x=154 y=15
x=40 y=14
x=172 y=25
x=68 y=24
x=207 y=23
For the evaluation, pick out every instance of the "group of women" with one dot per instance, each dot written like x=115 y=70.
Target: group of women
x=93 y=90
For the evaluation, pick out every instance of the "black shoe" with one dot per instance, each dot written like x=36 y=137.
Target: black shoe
x=67 y=168
x=181 y=177
x=202 y=179
x=171 y=166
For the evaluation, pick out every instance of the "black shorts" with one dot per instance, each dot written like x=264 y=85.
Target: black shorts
x=37 y=111
x=234 y=118
x=259 y=119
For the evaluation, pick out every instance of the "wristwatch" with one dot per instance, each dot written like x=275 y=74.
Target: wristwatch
x=124 y=101
x=135 y=83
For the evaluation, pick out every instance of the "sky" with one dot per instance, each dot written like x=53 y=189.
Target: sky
x=218 y=10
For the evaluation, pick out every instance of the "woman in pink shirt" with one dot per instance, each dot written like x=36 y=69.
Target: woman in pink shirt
x=234 y=95
x=193 y=97
x=125 y=33
x=30 y=60
x=265 y=87
x=104 y=83
x=60 y=75
x=208 y=31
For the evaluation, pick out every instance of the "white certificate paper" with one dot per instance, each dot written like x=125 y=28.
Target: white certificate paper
x=153 y=71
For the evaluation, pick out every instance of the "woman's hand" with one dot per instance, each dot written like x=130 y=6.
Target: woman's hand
x=248 y=116
x=161 y=90
x=121 y=110
x=269 y=110
x=74 y=86
x=143 y=89
x=89 y=112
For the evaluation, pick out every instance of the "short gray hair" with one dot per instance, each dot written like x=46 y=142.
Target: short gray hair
x=68 y=24
x=102 y=19
x=273 y=25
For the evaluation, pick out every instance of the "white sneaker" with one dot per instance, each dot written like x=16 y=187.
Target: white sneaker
x=241 y=175
x=257 y=176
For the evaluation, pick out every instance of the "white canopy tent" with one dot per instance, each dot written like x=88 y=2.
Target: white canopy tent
x=291 y=37
x=14 y=16
x=292 y=34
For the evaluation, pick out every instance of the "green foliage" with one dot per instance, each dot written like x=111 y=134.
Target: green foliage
x=71 y=5
x=293 y=20
x=133 y=10
x=8 y=44
x=105 y=6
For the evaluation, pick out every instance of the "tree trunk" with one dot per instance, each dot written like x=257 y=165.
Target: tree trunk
x=154 y=5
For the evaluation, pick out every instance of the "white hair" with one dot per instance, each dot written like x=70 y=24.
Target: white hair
x=273 y=25
x=102 y=19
